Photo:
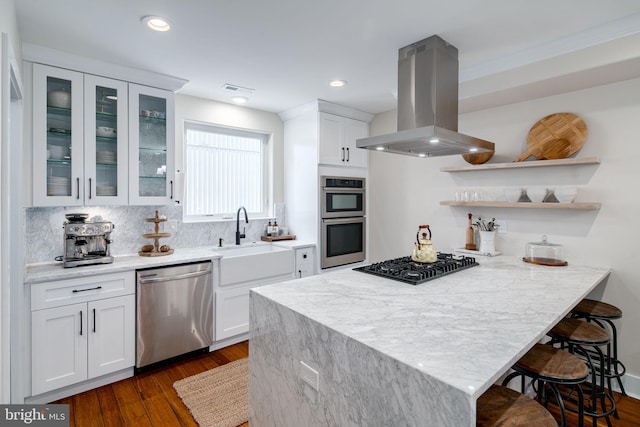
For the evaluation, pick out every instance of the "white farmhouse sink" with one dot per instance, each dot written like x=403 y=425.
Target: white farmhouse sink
x=255 y=264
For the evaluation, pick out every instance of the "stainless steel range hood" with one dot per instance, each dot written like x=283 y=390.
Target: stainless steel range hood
x=427 y=105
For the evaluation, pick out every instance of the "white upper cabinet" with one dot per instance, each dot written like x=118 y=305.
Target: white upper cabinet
x=80 y=138
x=151 y=146
x=58 y=169
x=106 y=141
x=337 y=141
x=100 y=141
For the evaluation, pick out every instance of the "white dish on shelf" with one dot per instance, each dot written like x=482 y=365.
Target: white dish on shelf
x=59 y=99
x=56 y=152
x=565 y=194
x=536 y=194
x=106 y=132
x=512 y=194
x=106 y=190
x=106 y=157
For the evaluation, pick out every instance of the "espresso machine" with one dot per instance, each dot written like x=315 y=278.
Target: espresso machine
x=86 y=242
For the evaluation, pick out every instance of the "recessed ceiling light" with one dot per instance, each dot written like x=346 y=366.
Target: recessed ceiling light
x=380 y=148
x=156 y=23
x=337 y=83
x=240 y=99
x=422 y=155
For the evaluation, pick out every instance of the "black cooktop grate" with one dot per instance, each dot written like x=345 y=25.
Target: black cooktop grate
x=406 y=270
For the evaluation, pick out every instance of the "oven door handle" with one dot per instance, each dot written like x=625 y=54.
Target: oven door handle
x=343 y=190
x=349 y=220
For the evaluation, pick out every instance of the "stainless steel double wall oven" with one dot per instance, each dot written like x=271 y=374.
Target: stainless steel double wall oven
x=343 y=220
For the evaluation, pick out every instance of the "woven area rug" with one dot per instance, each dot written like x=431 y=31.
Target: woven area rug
x=218 y=397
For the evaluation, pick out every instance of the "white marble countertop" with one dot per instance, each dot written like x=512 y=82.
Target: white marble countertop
x=465 y=329
x=44 y=272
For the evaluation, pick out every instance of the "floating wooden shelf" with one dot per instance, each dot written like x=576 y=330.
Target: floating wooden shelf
x=527 y=205
x=520 y=165
x=280 y=237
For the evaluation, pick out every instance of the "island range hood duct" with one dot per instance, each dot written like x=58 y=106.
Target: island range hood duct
x=427 y=105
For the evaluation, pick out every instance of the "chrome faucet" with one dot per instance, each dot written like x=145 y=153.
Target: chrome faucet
x=246 y=218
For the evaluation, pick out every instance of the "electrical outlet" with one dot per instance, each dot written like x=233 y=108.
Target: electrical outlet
x=502 y=225
x=309 y=375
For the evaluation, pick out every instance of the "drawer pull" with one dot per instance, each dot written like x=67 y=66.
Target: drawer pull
x=80 y=322
x=88 y=289
x=94 y=320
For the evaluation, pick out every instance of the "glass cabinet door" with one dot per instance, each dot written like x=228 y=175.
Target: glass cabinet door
x=57 y=137
x=106 y=141
x=151 y=143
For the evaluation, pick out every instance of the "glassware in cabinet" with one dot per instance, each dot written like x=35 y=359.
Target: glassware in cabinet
x=152 y=145
x=57 y=136
x=106 y=137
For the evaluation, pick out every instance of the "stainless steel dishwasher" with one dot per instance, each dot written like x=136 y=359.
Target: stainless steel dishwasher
x=174 y=311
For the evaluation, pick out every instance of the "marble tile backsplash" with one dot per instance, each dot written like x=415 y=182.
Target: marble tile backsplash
x=44 y=235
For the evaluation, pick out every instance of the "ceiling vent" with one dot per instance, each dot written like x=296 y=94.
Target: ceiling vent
x=236 y=88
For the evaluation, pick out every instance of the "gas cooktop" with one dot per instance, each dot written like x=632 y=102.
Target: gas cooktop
x=406 y=270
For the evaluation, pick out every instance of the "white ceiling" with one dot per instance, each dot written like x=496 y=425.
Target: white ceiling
x=288 y=50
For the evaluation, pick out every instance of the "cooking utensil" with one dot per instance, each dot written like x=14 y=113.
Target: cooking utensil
x=552 y=128
x=557 y=149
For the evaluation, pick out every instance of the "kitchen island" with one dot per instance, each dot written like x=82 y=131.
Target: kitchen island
x=389 y=353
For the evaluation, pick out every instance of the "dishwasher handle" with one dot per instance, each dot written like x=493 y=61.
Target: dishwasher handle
x=154 y=278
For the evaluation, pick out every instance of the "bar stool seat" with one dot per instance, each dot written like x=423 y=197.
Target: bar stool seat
x=597 y=309
x=501 y=406
x=579 y=332
x=552 y=366
x=585 y=340
x=602 y=313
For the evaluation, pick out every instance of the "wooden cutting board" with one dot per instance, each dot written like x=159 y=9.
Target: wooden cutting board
x=555 y=136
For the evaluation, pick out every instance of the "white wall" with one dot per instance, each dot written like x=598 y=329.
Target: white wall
x=8 y=25
x=405 y=192
x=204 y=110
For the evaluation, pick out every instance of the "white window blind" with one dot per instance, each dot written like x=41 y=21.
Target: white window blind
x=225 y=169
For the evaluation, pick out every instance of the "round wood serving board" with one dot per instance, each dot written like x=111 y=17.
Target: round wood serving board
x=555 y=136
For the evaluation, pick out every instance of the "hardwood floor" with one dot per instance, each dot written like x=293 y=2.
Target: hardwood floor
x=148 y=399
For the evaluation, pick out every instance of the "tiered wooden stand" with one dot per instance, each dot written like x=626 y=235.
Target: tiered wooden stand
x=156 y=236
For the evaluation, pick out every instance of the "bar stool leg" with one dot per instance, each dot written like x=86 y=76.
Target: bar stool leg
x=595 y=395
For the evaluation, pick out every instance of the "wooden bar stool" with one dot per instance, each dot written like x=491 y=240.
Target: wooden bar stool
x=603 y=314
x=585 y=340
x=501 y=406
x=550 y=366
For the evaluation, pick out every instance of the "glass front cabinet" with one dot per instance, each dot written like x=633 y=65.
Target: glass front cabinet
x=80 y=139
x=151 y=146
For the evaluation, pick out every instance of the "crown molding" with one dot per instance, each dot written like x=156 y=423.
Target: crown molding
x=57 y=58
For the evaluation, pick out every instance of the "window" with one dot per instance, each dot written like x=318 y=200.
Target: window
x=224 y=169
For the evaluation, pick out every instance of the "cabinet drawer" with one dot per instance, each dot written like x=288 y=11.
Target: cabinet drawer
x=72 y=291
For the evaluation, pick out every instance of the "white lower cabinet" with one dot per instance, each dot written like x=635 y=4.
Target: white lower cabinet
x=79 y=331
x=232 y=312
